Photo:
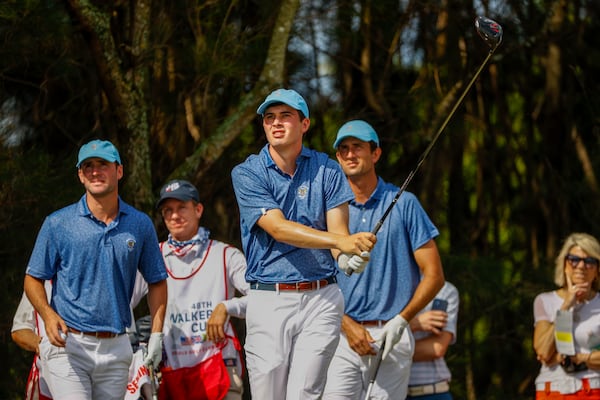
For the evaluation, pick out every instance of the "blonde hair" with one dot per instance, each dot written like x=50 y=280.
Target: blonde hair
x=588 y=243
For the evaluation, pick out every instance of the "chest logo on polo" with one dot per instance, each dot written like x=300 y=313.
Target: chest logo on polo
x=302 y=191
x=130 y=244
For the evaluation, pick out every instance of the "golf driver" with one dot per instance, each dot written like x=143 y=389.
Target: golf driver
x=491 y=32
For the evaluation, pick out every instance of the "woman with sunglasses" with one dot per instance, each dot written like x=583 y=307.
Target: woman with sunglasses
x=576 y=373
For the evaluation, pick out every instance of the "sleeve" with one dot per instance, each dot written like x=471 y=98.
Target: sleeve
x=236 y=274
x=236 y=270
x=540 y=312
x=140 y=289
x=253 y=194
x=236 y=307
x=44 y=257
x=152 y=264
x=24 y=316
x=418 y=224
x=452 y=296
x=337 y=189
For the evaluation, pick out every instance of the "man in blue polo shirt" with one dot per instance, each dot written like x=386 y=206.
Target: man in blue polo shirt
x=390 y=292
x=293 y=205
x=91 y=251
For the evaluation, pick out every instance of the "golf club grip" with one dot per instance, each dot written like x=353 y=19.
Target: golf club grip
x=387 y=211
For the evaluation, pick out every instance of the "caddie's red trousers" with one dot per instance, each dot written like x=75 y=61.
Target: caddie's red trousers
x=585 y=393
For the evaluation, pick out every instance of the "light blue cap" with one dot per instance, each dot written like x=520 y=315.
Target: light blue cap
x=98 y=148
x=358 y=129
x=285 y=96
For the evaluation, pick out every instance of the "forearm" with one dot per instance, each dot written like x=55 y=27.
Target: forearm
x=430 y=264
x=424 y=293
x=157 y=300
x=36 y=293
x=543 y=341
x=26 y=339
x=430 y=348
x=593 y=360
x=336 y=237
x=303 y=236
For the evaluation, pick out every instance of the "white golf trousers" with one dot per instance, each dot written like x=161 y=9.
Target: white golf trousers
x=290 y=340
x=87 y=368
x=349 y=374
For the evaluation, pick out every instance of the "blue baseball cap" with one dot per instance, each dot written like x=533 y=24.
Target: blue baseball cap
x=179 y=190
x=285 y=96
x=98 y=148
x=358 y=129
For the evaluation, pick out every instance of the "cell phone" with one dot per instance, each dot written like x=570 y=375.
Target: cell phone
x=439 y=304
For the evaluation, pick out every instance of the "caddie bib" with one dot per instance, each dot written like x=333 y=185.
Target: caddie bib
x=197 y=282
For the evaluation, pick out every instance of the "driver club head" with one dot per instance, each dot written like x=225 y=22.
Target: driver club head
x=489 y=30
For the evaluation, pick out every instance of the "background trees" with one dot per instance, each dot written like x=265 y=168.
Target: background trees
x=176 y=84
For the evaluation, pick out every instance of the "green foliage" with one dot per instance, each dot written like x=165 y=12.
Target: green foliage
x=32 y=184
x=495 y=326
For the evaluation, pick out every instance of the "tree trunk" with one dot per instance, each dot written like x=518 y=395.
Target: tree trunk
x=125 y=89
x=271 y=77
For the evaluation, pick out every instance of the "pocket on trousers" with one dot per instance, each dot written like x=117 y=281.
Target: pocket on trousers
x=48 y=350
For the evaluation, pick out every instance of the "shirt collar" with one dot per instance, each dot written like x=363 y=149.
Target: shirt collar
x=84 y=210
x=304 y=153
x=375 y=196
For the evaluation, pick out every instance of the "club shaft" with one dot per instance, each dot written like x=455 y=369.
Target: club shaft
x=431 y=144
x=153 y=382
x=429 y=147
x=374 y=374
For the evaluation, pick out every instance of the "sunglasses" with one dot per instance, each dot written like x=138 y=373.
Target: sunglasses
x=589 y=262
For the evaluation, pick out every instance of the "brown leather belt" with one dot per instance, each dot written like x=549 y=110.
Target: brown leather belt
x=98 y=335
x=376 y=322
x=294 y=287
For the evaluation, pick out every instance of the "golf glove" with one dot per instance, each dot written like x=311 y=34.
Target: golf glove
x=155 y=345
x=392 y=332
x=353 y=263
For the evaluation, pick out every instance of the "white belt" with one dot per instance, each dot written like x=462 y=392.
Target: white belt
x=568 y=385
x=421 y=390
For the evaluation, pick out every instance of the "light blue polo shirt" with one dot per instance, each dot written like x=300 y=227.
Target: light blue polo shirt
x=93 y=266
x=317 y=186
x=390 y=279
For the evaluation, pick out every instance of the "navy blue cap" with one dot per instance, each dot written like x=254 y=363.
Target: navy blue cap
x=179 y=190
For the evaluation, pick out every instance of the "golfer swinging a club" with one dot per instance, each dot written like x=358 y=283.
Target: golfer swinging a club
x=389 y=293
